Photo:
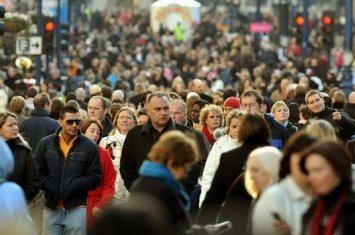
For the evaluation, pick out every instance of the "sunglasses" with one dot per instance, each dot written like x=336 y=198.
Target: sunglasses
x=71 y=122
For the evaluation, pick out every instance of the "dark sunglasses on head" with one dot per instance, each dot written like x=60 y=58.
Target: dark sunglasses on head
x=71 y=122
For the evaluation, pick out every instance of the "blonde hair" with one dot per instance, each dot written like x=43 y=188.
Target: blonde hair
x=176 y=146
x=130 y=110
x=321 y=129
x=3 y=117
x=233 y=114
x=269 y=158
x=210 y=108
x=277 y=105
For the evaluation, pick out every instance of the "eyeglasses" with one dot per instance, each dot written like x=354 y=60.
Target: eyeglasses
x=125 y=118
x=213 y=117
x=71 y=122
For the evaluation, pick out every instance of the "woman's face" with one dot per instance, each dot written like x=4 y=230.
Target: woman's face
x=9 y=130
x=125 y=122
x=258 y=174
x=281 y=114
x=213 y=120
x=93 y=132
x=233 y=127
x=195 y=113
x=321 y=175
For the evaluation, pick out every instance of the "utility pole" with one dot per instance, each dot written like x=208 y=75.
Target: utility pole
x=283 y=19
x=347 y=83
x=40 y=33
x=348 y=25
x=304 y=44
x=58 y=37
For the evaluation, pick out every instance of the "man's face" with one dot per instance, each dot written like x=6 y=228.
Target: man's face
x=315 y=103
x=96 y=109
x=158 y=111
x=249 y=104
x=199 y=87
x=177 y=114
x=70 y=124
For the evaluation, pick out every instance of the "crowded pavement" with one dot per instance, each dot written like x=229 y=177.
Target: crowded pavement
x=177 y=117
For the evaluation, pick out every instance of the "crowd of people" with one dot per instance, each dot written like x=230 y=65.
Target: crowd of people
x=151 y=134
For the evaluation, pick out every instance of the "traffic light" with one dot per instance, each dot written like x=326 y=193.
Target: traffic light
x=64 y=37
x=299 y=22
x=48 y=35
x=2 y=23
x=328 y=28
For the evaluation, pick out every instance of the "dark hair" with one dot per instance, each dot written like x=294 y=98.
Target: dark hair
x=229 y=92
x=141 y=111
x=254 y=93
x=106 y=92
x=67 y=109
x=41 y=100
x=295 y=144
x=253 y=127
x=70 y=96
x=201 y=103
x=335 y=154
x=31 y=92
x=57 y=105
x=85 y=125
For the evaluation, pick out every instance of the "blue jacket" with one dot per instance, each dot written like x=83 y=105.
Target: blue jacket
x=68 y=179
x=279 y=133
x=37 y=126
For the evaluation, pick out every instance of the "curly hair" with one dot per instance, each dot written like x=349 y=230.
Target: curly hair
x=211 y=108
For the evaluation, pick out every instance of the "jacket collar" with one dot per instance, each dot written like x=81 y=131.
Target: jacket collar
x=148 y=126
x=59 y=129
x=295 y=191
x=39 y=112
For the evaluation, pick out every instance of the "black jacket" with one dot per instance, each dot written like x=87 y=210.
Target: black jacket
x=232 y=164
x=68 y=179
x=344 y=128
x=37 y=126
x=138 y=143
x=25 y=172
x=345 y=220
x=350 y=110
x=107 y=126
x=178 y=219
x=279 y=133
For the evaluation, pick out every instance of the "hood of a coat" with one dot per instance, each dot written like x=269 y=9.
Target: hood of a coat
x=7 y=160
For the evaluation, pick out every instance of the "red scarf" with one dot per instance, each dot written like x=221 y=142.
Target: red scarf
x=208 y=135
x=332 y=221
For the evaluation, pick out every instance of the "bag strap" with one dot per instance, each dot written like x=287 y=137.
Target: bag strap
x=235 y=181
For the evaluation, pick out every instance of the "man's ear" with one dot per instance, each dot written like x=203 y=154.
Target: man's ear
x=60 y=121
x=106 y=110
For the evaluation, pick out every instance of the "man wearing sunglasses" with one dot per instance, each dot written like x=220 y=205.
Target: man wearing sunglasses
x=69 y=166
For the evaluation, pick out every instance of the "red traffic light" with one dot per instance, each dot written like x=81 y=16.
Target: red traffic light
x=299 y=20
x=49 y=26
x=327 y=20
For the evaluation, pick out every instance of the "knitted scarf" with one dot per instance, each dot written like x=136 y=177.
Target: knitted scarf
x=160 y=171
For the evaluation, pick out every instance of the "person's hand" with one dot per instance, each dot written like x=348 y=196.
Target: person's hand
x=96 y=211
x=336 y=115
x=281 y=227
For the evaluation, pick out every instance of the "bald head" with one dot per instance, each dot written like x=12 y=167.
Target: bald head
x=351 y=98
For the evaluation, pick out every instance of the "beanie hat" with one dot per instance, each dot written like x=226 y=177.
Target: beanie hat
x=232 y=102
